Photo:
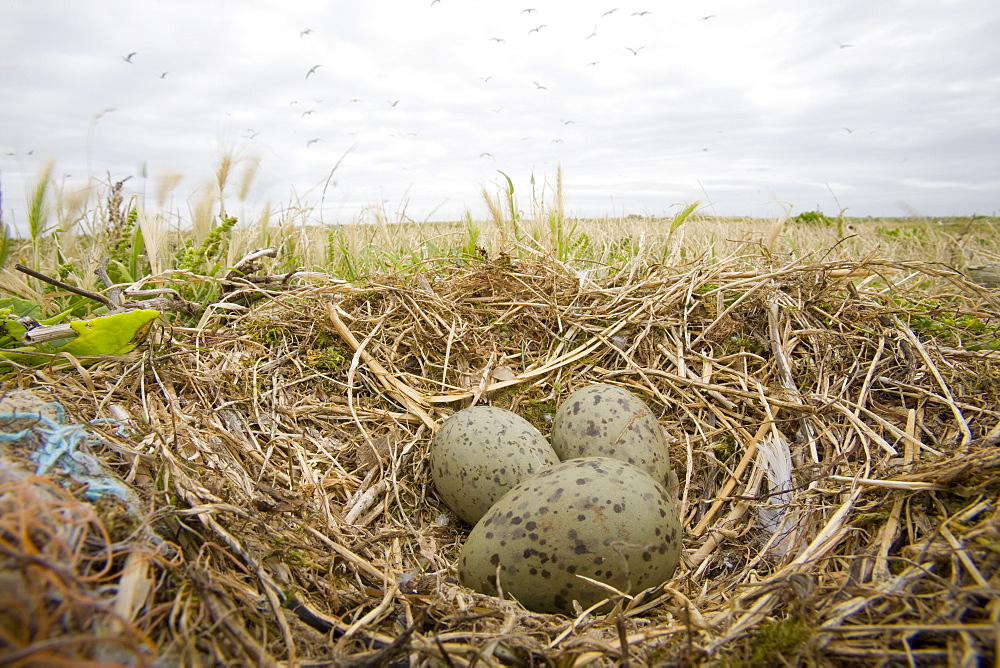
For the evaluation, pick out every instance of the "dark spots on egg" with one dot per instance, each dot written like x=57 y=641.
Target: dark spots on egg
x=495 y=559
x=596 y=525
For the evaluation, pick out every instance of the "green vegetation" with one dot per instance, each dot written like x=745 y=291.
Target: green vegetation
x=190 y=253
x=777 y=641
x=814 y=218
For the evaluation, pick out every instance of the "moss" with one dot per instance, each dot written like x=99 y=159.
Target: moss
x=527 y=401
x=775 y=641
x=265 y=333
x=539 y=413
x=724 y=448
x=326 y=359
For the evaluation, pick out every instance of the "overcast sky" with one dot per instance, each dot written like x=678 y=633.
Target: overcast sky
x=891 y=106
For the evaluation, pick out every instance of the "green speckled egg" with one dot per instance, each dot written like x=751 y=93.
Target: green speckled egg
x=597 y=517
x=480 y=453
x=602 y=420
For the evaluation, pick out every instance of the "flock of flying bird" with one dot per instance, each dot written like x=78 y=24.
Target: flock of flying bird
x=498 y=40
x=537 y=29
x=251 y=133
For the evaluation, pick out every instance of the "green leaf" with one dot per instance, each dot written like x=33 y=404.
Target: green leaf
x=510 y=184
x=683 y=215
x=114 y=334
x=12 y=308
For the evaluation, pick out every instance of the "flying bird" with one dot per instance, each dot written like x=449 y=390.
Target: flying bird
x=393 y=103
x=434 y=2
x=710 y=16
x=307 y=112
x=849 y=131
x=844 y=46
x=307 y=31
x=100 y=114
x=251 y=133
x=567 y=122
x=311 y=142
x=609 y=12
x=528 y=10
x=593 y=34
x=128 y=58
x=484 y=154
x=486 y=79
x=642 y=13
x=595 y=62
x=635 y=52
x=164 y=75
x=539 y=86
x=355 y=99
x=312 y=70
x=498 y=40
x=538 y=28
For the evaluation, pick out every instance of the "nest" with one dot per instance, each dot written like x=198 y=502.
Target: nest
x=282 y=510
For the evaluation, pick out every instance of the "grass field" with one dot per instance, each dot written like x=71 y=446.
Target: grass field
x=269 y=437
x=70 y=233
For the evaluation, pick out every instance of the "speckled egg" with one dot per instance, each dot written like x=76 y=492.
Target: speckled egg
x=601 y=518
x=480 y=453
x=603 y=420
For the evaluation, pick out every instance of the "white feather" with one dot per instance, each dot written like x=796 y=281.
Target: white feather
x=775 y=457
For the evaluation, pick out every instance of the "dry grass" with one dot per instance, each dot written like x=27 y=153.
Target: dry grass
x=279 y=452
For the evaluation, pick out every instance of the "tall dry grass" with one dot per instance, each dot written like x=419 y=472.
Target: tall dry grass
x=512 y=221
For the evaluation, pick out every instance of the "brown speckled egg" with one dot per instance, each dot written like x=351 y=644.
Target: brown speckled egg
x=594 y=516
x=479 y=453
x=603 y=420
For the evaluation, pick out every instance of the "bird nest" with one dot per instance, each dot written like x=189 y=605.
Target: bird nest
x=274 y=503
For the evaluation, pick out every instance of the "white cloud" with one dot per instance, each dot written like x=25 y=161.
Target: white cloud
x=763 y=101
